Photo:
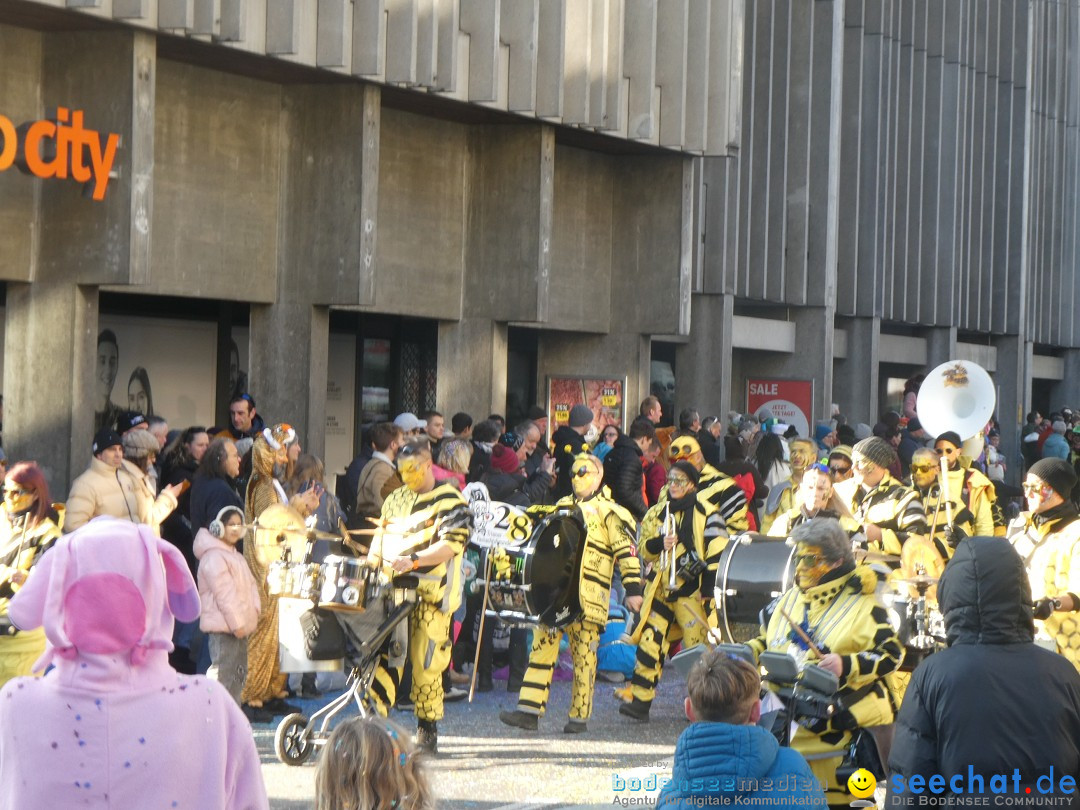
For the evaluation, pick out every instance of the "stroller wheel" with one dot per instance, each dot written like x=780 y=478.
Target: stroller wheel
x=292 y=741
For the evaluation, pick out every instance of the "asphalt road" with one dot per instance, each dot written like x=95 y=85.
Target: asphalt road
x=485 y=765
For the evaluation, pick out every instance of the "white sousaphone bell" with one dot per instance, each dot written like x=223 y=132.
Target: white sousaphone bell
x=960 y=396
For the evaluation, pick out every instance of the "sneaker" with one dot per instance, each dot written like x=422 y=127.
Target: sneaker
x=458 y=678
x=257 y=714
x=453 y=695
x=575 y=726
x=610 y=676
x=625 y=694
x=310 y=692
x=520 y=719
x=427 y=736
x=637 y=709
x=405 y=703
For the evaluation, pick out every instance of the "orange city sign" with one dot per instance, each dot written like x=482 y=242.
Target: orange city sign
x=60 y=148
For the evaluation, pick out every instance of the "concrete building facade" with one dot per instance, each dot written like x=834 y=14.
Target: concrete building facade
x=401 y=204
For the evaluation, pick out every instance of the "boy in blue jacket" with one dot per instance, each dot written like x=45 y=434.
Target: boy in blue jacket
x=724 y=755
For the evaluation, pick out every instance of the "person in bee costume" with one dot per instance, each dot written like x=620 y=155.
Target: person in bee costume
x=888 y=511
x=926 y=481
x=833 y=604
x=442 y=522
x=687 y=534
x=969 y=486
x=814 y=497
x=609 y=541
x=719 y=490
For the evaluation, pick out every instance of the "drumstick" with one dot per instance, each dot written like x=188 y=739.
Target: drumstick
x=802 y=634
x=480 y=632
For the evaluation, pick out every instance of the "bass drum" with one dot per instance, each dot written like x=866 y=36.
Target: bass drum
x=754 y=569
x=542 y=586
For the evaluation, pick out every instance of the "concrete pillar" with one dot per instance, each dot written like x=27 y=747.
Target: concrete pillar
x=855 y=381
x=940 y=345
x=287 y=351
x=1013 y=385
x=1066 y=391
x=54 y=325
x=472 y=366
x=703 y=375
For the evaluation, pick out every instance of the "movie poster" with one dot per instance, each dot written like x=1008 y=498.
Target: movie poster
x=603 y=396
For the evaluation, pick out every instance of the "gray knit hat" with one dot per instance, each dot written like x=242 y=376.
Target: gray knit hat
x=875 y=450
x=1056 y=472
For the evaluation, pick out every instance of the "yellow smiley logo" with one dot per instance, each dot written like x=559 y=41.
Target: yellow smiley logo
x=861 y=784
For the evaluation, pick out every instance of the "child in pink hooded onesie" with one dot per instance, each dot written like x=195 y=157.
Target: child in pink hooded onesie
x=113 y=725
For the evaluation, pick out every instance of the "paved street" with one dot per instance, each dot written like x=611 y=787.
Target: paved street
x=484 y=764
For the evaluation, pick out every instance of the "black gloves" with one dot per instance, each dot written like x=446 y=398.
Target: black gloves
x=1044 y=607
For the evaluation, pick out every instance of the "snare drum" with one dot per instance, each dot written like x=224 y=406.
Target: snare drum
x=298 y=580
x=543 y=583
x=920 y=627
x=349 y=582
x=754 y=569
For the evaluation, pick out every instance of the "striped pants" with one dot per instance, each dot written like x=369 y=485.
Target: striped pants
x=584 y=639
x=661 y=629
x=429 y=654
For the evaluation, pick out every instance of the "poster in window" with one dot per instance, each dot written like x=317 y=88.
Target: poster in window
x=603 y=396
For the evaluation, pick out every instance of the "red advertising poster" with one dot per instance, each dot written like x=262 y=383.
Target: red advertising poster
x=603 y=396
x=791 y=401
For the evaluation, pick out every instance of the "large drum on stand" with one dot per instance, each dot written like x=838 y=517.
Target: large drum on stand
x=754 y=569
x=541 y=586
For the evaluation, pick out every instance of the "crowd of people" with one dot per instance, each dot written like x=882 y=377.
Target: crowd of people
x=866 y=508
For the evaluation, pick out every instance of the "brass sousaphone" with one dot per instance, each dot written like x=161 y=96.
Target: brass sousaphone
x=959 y=396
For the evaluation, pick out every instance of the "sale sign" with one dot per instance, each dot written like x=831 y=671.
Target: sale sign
x=791 y=401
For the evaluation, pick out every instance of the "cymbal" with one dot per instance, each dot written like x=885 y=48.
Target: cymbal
x=922 y=581
x=315 y=534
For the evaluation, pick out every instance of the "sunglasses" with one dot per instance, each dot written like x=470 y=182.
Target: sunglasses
x=840 y=469
x=16 y=492
x=799 y=559
x=581 y=472
x=678 y=480
x=1031 y=487
x=942 y=451
x=921 y=468
x=680 y=450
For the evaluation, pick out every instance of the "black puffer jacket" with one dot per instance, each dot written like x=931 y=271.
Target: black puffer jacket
x=624 y=476
x=993 y=700
x=566 y=443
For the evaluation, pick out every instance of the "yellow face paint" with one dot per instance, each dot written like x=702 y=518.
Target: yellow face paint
x=16 y=499
x=815 y=491
x=413 y=471
x=586 y=477
x=810 y=566
x=802 y=456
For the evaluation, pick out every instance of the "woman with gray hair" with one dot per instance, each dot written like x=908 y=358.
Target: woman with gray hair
x=831 y=617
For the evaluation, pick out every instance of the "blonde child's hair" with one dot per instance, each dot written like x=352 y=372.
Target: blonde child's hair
x=370 y=763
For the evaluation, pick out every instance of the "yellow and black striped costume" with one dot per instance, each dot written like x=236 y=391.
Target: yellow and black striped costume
x=841 y=616
x=441 y=514
x=608 y=542
x=937 y=517
x=1050 y=549
x=724 y=495
x=784 y=523
x=682 y=613
x=975 y=491
x=893 y=508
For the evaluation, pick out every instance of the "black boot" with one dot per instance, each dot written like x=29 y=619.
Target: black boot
x=427 y=736
x=637 y=709
x=520 y=719
x=519 y=658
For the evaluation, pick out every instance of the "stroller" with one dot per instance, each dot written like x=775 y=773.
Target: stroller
x=369 y=620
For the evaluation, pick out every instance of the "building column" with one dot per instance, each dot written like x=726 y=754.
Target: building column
x=703 y=365
x=940 y=345
x=50 y=378
x=287 y=350
x=472 y=366
x=855 y=384
x=1066 y=391
x=1013 y=383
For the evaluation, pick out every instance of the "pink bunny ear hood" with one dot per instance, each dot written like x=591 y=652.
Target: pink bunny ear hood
x=108 y=587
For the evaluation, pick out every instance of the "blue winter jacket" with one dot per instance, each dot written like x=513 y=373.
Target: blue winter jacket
x=719 y=760
x=1055 y=446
